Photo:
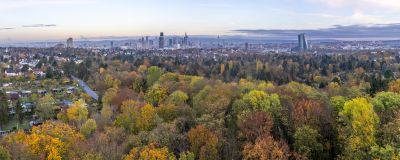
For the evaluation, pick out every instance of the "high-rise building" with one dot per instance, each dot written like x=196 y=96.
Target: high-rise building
x=303 y=44
x=151 y=43
x=70 y=43
x=185 y=40
x=112 y=44
x=170 y=43
x=246 y=46
x=161 y=40
x=147 y=42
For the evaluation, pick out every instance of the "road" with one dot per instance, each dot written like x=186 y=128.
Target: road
x=86 y=88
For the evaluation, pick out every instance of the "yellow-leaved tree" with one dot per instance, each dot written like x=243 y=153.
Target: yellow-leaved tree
x=78 y=113
x=52 y=140
x=358 y=126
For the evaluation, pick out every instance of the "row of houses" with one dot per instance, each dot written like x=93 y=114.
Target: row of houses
x=28 y=107
x=18 y=72
x=15 y=95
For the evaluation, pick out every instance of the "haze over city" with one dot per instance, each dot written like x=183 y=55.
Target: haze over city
x=41 y=20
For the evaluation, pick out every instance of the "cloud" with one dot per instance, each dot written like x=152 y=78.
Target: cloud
x=38 y=25
x=373 y=31
x=365 y=5
x=18 y=4
x=6 y=29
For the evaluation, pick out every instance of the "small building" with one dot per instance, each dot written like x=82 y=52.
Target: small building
x=70 y=89
x=27 y=107
x=66 y=103
x=7 y=84
x=56 y=90
x=26 y=93
x=42 y=92
x=12 y=73
x=13 y=95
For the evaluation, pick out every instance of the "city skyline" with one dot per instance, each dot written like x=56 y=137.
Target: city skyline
x=30 y=20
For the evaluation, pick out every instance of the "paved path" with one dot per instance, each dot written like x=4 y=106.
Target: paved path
x=86 y=88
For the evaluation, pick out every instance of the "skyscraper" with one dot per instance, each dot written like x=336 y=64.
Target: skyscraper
x=70 y=43
x=161 y=40
x=170 y=43
x=147 y=42
x=303 y=44
x=185 y=40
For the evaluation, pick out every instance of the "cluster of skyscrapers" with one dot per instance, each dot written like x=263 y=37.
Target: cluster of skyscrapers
x=170 y=42
x=180 y=42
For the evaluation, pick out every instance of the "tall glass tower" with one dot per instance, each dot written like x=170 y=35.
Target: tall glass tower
x=161 y=40
x=303 y=44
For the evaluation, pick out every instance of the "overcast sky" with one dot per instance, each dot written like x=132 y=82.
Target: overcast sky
x=58 y=19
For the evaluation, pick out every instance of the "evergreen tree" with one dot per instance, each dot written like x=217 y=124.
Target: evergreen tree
x=3 y=109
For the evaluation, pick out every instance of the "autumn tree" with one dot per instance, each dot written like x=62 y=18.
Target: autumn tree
x=169 y=112
x=112 y=143
x=148 y=118
x=127 y=119
x=212 y=100
x=358 y=128
x=387 y=152
x=134 y=118
x=203 y=143
x=109 y=95
x=337 y=104
x=52 y=140
x=167 y=134
x=88 y=128
x=265 y=148
x=170 y=81
x=306 y=112
x=389 y=134
x=91 y=156
x=254 y=125
x=45 y=107
x=4 y=154
x=307 y=142
x=177 y=98
x=111 y=82
x=394 y=86
x=106 y=114
x=156 y=94
x=260 y=101
x=153 y=74
x=385 y=105
x=187 y=156
x=78 y=112
x=151 y=151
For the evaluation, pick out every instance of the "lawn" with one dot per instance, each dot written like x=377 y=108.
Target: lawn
x=13 y=123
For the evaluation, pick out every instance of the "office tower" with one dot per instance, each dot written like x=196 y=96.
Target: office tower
x=185 y=40
x=112 y=44
x=161 y=40
x=70 y=43
x=303 y=44
x=175 y=40
x=143 y=43
x=170 y=43
x=147 y=42
x=246 y=46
